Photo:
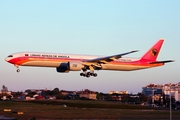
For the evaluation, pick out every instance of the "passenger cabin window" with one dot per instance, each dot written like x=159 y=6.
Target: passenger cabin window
x=10 y=56
x=26 y=55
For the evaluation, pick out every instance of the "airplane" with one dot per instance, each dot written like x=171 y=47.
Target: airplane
x=76 y=62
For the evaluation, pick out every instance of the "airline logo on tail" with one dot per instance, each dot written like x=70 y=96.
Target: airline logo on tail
x=154 y=52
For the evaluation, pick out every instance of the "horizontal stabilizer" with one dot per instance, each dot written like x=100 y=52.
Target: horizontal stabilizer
x=156 y=62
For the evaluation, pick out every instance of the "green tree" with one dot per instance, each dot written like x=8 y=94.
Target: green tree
x=56 y=91
x=100 y=96
x=143 y=97
x=31 y=94
x=4 y=89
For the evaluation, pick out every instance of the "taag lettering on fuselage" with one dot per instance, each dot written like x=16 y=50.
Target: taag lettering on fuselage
x=49 y=56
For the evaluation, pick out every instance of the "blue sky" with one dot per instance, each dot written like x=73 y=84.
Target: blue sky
x=103 y=27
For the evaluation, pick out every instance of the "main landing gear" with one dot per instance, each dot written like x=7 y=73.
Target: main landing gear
x=88 y=74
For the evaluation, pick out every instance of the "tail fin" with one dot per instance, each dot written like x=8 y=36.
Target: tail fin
x=153 y=53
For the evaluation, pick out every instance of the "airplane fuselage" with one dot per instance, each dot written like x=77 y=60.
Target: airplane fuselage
x=54 y=60
x=75 y=62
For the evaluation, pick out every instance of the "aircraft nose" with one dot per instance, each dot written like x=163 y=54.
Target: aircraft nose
x=7 y=59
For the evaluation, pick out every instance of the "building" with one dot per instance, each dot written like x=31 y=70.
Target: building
x=64 y=92
x=173 y=90
x=123 y=92
x=116 y=92
x=88 y=94
x=158 y=90
x=152 y=89
x=116 y=98
x=6 y=95
x=113 y=92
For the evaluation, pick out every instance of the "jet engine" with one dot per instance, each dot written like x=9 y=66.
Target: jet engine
x=70 y=66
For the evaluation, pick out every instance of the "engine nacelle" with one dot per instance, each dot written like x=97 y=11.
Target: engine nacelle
x=64 y=67
x=70 y=66
x=75 y=66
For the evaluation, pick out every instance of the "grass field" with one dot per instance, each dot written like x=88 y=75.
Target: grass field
x=82 y=110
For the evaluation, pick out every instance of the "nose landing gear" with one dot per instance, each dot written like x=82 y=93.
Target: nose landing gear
x=17 y=66
x=18 y=70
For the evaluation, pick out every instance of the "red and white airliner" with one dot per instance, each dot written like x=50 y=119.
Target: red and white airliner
x=73 y=62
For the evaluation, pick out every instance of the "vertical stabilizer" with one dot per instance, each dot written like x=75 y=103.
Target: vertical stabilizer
x=153 y=53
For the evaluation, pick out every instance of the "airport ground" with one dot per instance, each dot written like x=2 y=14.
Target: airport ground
x=82 y=109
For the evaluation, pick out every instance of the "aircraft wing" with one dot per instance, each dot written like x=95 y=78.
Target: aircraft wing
x=108 y=58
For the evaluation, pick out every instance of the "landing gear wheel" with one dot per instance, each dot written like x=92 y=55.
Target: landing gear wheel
x=95 y=75
x=91 y=74
x=81 y=74
x=18 y=70
x=87 y=75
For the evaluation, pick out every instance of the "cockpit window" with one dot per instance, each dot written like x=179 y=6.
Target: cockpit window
x=10 y=56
